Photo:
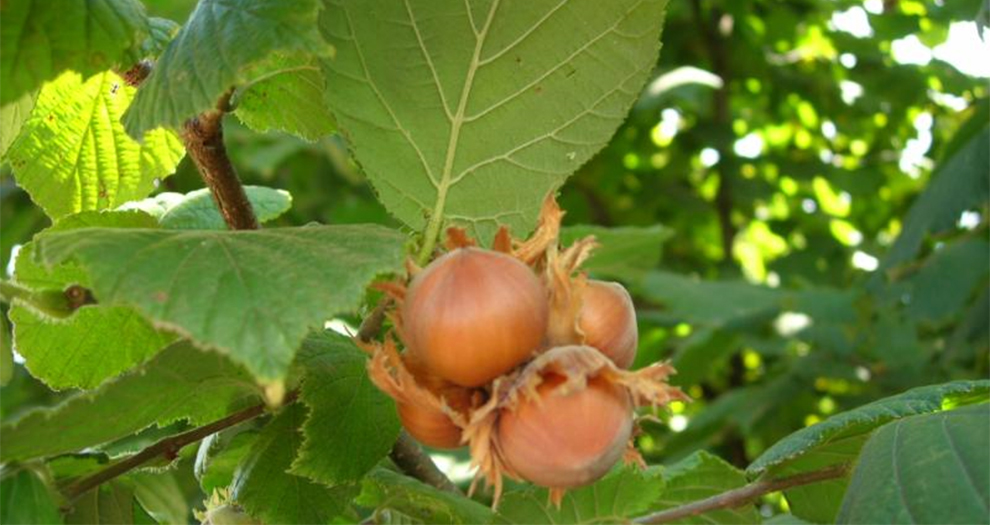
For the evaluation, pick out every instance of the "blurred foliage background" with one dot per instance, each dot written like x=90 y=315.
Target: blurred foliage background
x=820 y=171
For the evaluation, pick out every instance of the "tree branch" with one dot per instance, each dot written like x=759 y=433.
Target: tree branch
x=167 y=448
x=410 y=458
x=203 y=137
x=742 y=495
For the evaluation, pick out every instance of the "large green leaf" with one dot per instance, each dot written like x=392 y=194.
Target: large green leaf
x=840 y=438
x=959 y=183
x=214 y=51
x=387 y=491
x=863 y=420
x=472 y=111
x=181 y=383
x=929 y=468
x=263 y=486
x=38 y=42
x=700 y=476
x=72 y=153
x=623 y=494
x=251 y=294
x=6 y=352
x=287 y=97
x=336 y=388
x=24 y=498
x=73 y=352
x=626 y=253
x=12 y=117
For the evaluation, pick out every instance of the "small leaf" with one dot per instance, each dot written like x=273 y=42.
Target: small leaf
x=72 y=153
x=73 y=352
x=387 y=491
x=336 y=388
x=13 y=115
x=180 y=383
x=700 y=476
x=112 y=503
x=218 y=457
x=928 y=468
x=623 y=494
x=160 y=496
x=198 y=211
x=287 y=95
x=251 y=294
x=472 y=112
x=213 y=52
x=39 y=42
x=24 y=498
x=162 y=30
x=626 y=253
x=263 y=486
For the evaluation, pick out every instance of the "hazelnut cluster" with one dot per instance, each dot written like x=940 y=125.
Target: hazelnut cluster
x=515 y=353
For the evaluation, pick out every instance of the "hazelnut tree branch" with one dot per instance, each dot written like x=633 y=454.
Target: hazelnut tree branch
x=742 y=495
x=203 y=137
x=167 y=448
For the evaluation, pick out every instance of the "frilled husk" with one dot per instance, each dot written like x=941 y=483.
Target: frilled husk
x=576 y=364
x=393 y=376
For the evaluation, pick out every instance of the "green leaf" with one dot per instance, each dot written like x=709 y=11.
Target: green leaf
x=72 y=153
x=6 y=352
x=73 y=352
x=947 y=281
x=24 y=498
x=626 y=253
x=198 y=211
x=266 y=490
x=385 y=491
x=251 y=294
x=218 y=457
x=111 y=504
x=181 y=383
x=623 y=494
x=714 y=303
x=699 y=476
x=39 y=42
x=214 y=51
x=860 y=421
x=12 y=117
x=336 y=388
x=924 y=469
x=472 y=112
x=287 y=97
x=959 y=184
x=160 y=496
x=162 y=30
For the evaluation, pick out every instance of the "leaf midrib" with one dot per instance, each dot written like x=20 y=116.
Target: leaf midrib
x=436 y=218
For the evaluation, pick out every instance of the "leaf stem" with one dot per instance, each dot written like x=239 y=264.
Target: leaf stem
x=742 y=495
x=203 y=137
x=51 y=302
x=167 y=448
